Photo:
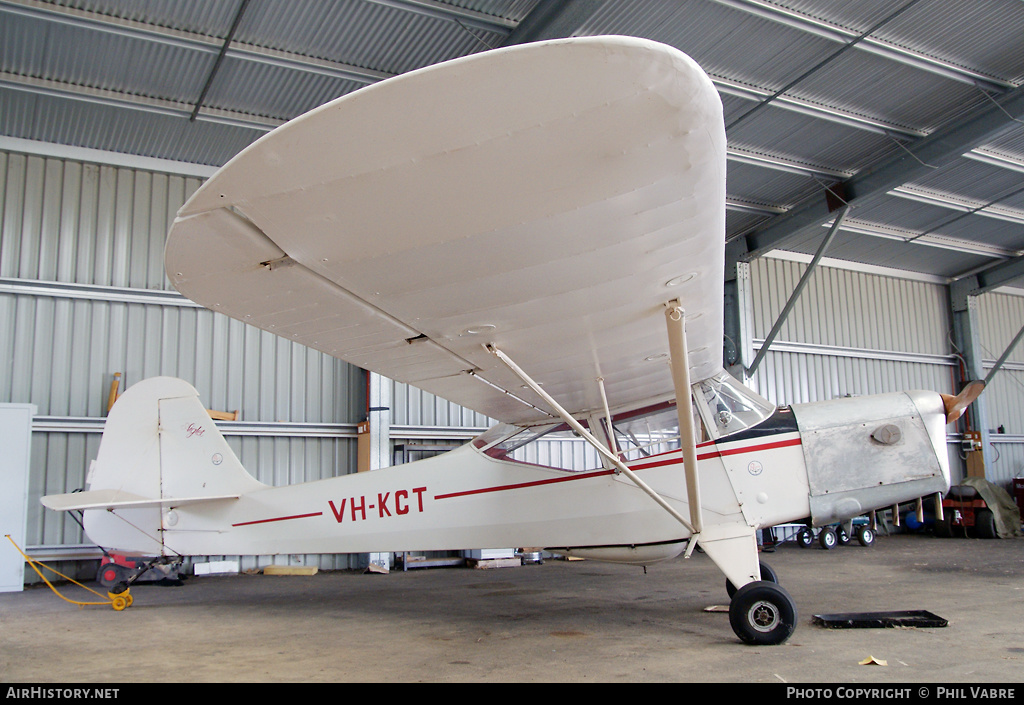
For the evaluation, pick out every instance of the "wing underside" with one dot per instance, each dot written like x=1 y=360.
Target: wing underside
x=547 y=199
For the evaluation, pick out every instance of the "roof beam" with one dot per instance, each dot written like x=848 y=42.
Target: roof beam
x=846 y=46
x=113 y=99
x=445 y=11
x=553 y=20
x=187 y=40
x=220 y=58
x=917 y=159
x=984 y=281
x=901 y=55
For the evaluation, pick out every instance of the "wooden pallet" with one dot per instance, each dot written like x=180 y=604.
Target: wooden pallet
x=486 y=563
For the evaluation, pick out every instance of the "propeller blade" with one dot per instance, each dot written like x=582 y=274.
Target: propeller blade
x=957 y=405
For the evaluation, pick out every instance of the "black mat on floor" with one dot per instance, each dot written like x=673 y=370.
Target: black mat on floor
x=876 y=620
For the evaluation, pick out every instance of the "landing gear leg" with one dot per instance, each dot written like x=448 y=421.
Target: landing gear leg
x=761 y=611
x=767 y=575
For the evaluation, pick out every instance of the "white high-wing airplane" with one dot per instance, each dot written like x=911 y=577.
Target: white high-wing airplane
x=536 y=233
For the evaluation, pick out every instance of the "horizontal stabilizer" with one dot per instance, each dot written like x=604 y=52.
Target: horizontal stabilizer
x=116 y=499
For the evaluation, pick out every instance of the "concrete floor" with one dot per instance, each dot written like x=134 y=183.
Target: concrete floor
x=578 y=621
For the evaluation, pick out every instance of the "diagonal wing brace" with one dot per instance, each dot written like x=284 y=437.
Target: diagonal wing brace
x=586 y=435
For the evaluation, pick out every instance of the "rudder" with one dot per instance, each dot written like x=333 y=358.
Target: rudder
x=160 y=449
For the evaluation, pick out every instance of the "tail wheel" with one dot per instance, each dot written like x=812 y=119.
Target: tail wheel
x=762 y=613
x=111 y=574
x=827 y=538
x=767 y=575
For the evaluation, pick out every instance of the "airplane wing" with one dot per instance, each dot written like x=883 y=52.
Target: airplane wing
x=547 y=198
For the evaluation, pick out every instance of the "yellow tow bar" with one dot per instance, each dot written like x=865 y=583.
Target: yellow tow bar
x=118 y=601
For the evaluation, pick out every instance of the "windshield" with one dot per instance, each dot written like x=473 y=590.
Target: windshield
x=727 y=406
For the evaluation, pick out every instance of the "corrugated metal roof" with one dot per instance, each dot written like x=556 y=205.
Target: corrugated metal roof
x=809 y=101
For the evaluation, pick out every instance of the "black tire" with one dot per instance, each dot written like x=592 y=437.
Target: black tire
x=767 y=575
x=865 y=536
x=842 y=536
x=943 y=528
x=827 y=538
x=762 y=613
x=804 y=538
x=110 y=574
x=985 y=524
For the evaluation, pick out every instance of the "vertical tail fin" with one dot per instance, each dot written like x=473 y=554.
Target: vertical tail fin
x=160 y=442
x=160 y=448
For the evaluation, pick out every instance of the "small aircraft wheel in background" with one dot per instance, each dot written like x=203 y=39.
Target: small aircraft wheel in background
x=762 y=613
x=943 y=528
x=827 y=538
x=767 y=575
x=842 y=536
x=804 y=537
x=865 y=535
x=985 y=524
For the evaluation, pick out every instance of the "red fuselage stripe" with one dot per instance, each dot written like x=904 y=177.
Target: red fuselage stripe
x=718 y=453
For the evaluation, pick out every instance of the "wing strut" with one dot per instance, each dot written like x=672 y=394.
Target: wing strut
x=608 y=416
x=598 y=446
x=675 y=320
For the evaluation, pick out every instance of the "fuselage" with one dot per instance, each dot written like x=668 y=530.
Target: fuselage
x=768 y=474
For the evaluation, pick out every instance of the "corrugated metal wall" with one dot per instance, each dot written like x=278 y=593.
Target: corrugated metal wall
x=1001 y=317
x=83 y=295
x=849 y=333
x=852 y=333
x=411 y=406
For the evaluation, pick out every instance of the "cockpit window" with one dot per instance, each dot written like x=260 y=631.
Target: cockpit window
x=648 y=434
x=722 y=406
x=727 y=406
x=552 y=445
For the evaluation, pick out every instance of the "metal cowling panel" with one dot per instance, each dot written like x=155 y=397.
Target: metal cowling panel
x=850 y=472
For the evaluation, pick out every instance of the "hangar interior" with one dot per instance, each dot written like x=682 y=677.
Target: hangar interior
x=881 y=142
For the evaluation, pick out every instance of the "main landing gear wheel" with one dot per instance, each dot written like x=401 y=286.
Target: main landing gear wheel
x=762 y=613
x=767 y=575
